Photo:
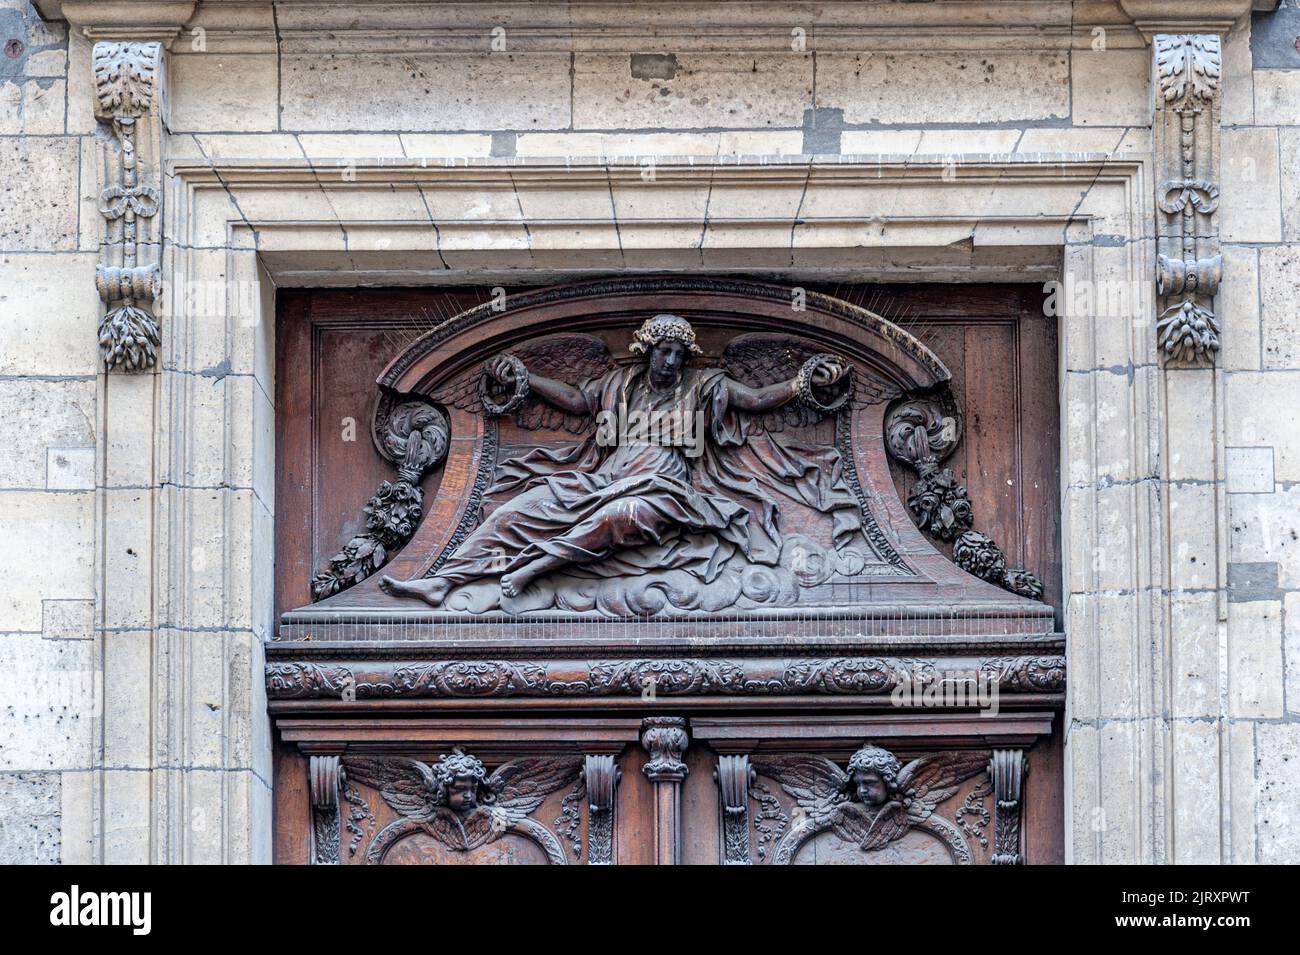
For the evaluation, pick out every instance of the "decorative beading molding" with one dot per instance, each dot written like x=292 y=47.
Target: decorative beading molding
x=128 y=81
x=1189 y=265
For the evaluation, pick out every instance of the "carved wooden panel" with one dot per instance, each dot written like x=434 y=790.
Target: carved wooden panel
x=507 y=639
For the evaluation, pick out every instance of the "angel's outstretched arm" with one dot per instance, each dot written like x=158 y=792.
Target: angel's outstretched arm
x=758 y=400
x=565 y=397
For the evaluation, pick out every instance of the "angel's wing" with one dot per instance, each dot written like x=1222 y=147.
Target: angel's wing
x=520 y=786
x=405 y=784
x=869 y=827
x=928 y=781
x=571 y=359
x=814 y=782
x=761 y=359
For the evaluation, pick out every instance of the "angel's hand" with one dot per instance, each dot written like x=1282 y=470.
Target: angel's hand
x=829 y=372
x=502 y=370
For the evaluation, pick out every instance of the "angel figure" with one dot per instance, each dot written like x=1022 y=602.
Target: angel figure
x=876 y=801
x=458 y=803
x=676 y=476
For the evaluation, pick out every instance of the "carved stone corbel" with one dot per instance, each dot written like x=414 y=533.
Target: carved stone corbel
x=735 y=776
x=602 y=776
x=415 y=439
x=921 y=433
x=665 y=739
x=1189 y=264
x=128 y=88
x=325 y=775
x=1008 y=769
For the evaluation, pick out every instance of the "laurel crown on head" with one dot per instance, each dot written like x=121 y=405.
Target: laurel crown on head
x=661 y=327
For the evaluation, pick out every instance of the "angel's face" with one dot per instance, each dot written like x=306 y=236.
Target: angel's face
x=667 y=359
x=871 y=787
x=462 y=793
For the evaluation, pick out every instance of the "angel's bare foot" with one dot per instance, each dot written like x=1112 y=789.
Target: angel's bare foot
x=432 y=590
x=513 y=584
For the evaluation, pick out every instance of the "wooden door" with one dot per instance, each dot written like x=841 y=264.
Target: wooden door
x=693 y=764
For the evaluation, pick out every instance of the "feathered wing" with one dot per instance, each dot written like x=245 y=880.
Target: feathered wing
x=571 y=359
x=762 y=359
x=520 y=786
x=928 y=781
x=405 y=784
x=814 y=783
x=871 y=827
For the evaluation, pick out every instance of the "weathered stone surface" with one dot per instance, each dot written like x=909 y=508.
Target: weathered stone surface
x=920 y=88
x=1110 y=87
x=220 y=92
x=1279 y=277
x=30 y=825
x=32 y=568
x=1277 y=769
x=38 y=199
x=47 y=717
x=1250 y=208
x=51 y=311
x=719 y=90
x=1255 y=655
x=49 y=426
x=421 y=93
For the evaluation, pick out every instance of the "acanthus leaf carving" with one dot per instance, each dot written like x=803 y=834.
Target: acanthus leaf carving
x=1189 y=265
x=127 y=77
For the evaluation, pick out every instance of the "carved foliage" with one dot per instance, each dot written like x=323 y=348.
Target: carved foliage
x=665 y=739
x=415 y=439
x=325 y=781
x=1189 y=265
x=126 y=80
x=602 y=777
x=735 y=776
x=854 y=676
x=921 y=433
x=1008 y=768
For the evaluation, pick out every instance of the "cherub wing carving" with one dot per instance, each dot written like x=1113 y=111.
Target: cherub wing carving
x=571 y=359
x=928 y=781
x=760 y=359
x=406 y=784
x=520 y=786
x=816 y=784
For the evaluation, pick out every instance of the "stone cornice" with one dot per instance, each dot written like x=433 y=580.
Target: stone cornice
x=670 y=25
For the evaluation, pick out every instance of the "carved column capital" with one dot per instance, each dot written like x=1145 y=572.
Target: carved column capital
x=1008 y=769
x=128 y=90
x=325 y=779
x=665 y=739
x=1188 y=72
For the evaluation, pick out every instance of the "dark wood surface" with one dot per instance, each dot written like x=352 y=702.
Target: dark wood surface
x=332 y=345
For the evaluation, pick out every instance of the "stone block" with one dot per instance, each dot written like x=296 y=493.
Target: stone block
x=1279 y=279
x=49 y=553
x=1255 y=671
x=1110 y=87
x=948 y=87
x=1255 y=416
x=39 y=210
x=1249 y=470
x=1196 y=801
x=1250 y=209
x=1239 y=308
x=703 y=91
x=50 y=428
x=30 y=826
x=222 y=92
x=51 y=314
x=48 y=715
x=1277 y=774
x=1276 y=95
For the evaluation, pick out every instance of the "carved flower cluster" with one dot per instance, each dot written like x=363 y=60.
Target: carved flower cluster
x=939 y=502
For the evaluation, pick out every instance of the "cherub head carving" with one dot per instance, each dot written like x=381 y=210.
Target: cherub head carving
x=874 y=775
x=667 y=341
x=459 y=777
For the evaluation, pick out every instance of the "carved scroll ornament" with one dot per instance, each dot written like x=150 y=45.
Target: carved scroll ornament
x=1189 y=265
x=415 y=439
x=459 y=804
x=921 y=433
x=127 y=84
x=873 y=803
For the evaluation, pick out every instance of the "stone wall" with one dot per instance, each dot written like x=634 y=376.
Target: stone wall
x=139 y=506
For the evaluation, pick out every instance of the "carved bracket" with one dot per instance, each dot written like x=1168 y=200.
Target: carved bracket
x=415 y=439
x=128 y=80
x=326 y=779
x=602 y=776
x=735 y=776
x=1008 y=768
x=1189 y=265
x=921 y=433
